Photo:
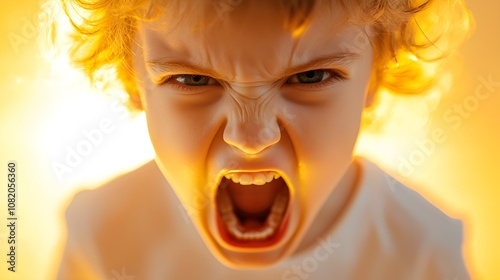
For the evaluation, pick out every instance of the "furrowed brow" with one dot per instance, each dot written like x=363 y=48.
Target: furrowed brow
x=339 y=59
x=166 y=67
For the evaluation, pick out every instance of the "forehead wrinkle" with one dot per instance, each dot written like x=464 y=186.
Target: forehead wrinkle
x=236 y=70
x=251 y=91
x=166 y=66
x=294 y=49
x=244 y=67
x=234 y=67
x=341 y=58
x=252 y=75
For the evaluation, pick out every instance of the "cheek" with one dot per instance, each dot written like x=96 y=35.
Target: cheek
x=324 y=139
x=327 y=132
x=329 y=129
x=182 y=137
x=179 y=130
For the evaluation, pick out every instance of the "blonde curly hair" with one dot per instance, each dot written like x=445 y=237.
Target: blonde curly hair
x=413 y=36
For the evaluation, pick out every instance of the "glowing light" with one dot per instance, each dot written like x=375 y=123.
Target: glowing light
x=69 y=125
x=76 y=106
x=412 y=57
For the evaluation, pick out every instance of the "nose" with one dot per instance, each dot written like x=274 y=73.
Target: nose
x=252 y=137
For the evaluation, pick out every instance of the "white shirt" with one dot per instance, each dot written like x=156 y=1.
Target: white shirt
x=134 y=228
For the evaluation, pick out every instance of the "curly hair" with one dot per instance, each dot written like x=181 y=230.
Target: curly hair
x=412 y=36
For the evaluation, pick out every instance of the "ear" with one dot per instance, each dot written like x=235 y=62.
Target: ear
x=135 y=99
x=129 y=84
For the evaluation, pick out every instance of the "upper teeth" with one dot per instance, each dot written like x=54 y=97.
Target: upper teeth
x=254 y=178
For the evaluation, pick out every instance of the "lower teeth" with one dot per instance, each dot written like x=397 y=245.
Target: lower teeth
x=234 y=226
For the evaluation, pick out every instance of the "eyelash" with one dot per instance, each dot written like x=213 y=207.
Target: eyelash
x=171 y=82
x=335 y=76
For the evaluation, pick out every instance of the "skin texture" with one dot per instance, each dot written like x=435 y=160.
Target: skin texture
x=255 y=114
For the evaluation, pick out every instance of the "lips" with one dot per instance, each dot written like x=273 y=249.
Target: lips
x=252 y=208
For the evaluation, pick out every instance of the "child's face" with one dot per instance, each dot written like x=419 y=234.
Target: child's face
x=248 y=98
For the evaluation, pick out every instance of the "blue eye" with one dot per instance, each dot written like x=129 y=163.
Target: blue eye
x=314 y=76
x=195 y=80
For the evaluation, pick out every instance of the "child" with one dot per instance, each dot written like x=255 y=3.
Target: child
x=254 y=109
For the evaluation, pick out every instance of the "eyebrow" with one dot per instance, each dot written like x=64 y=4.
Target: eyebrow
x=164 y=66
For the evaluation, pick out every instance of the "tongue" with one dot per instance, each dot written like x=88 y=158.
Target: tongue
x=252 y=200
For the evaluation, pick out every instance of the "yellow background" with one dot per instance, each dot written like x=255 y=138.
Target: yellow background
x=42 y=114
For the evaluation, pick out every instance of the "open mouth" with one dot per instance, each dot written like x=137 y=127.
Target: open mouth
x=252 y=208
